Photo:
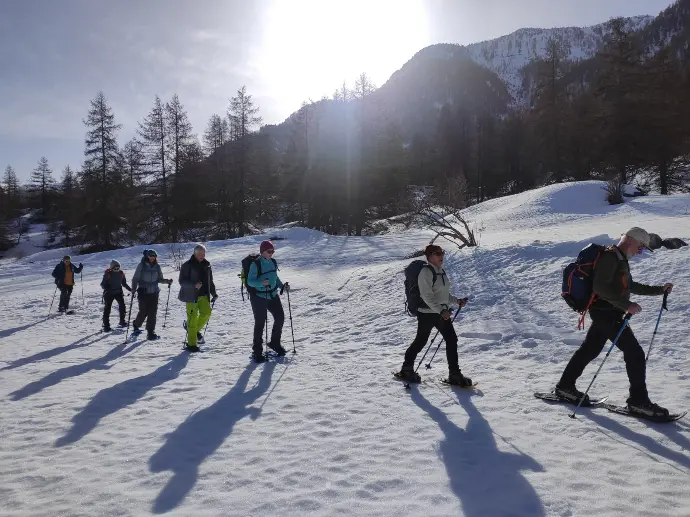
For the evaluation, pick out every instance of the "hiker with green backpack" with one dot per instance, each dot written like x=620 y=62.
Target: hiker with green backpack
x=427 y=291
x=260 y=276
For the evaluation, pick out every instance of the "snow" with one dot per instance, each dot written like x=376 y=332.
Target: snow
x=92 y=426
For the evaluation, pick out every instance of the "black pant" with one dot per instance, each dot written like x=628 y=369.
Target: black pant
x=108 y=298
x=605 y=325
x=65 y=293
x=425 y=324
x=261 y=307
x=148 y=308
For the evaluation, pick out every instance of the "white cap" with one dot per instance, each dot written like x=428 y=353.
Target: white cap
x=639 y=235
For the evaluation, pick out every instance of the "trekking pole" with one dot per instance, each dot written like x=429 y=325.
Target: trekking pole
x=53 y=301
x=663 y=307
x=131 y=301
x=626 y=322
x=209 y=318
x=267 y=291
x=291 y=328
x=166 y=307
x=428 y=365
x=81 y=281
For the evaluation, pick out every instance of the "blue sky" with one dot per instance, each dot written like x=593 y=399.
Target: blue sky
x=55 y=55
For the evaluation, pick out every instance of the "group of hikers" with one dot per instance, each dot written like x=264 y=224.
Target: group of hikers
x=197 y=291
x=428 y=297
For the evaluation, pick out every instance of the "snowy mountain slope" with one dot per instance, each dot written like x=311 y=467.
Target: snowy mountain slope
x=91 y=426
x=508 y=55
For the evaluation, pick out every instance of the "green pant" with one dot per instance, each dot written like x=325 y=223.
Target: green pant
x=198 y=314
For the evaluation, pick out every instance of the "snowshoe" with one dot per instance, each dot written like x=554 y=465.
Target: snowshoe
x=192 y=348
x=200 y=338
x=277 y=348
x=152 y=336
x=258 y=355
x=571 y=394
x=136 y=331
x=408 y=374
x=122 y=324
x=647 y=411
x=458 y=379
x=71 y=311
x=106 y=328
x=61 y=309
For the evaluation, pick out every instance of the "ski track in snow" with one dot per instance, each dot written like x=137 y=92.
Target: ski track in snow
x=95 y=426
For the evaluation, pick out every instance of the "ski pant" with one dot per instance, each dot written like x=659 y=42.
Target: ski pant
x=148 y=308
x=198 y=314
x=425 y=324
x=261 y=307
x=108 y=299
x=65 y=293
x=605 y=325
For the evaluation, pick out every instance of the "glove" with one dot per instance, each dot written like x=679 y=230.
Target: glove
x=286 y=286
x=81 y=265
x=214 y=298
x=445 y=314
x=170 y=282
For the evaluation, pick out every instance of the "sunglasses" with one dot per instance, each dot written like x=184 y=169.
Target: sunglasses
x=439 y=253
x=270 y=252
x=116 y=269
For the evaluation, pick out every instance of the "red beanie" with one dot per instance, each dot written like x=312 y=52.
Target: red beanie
x=266 y=245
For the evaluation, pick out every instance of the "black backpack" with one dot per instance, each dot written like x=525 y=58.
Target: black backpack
x=578 y=278
x=247 y=262
x=413 y=299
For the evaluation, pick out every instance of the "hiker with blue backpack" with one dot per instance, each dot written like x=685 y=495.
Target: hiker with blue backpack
x=600 y=283
x=427 y=290
x=260 y=276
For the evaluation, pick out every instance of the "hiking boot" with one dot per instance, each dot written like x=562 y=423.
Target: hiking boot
x=458 y=379
x=199 y=338
x=258 y=354
x=122 y=323
x=61 y=309
x=571 y=393
x=106 y=328
x=192 y=348
x=407 y=373
x=647 y=408
x=277 y=348
x=152 y=336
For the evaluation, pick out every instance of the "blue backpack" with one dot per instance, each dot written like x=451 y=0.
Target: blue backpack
x=413 y=299
x=578 y=278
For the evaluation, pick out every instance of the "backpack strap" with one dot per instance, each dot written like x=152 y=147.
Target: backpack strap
x=433 y=272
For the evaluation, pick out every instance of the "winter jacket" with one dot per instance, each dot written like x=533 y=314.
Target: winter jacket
x=59 y=273
x=113 y=281
x=436 y=295
x=192 y=272
x=147 y=277
x=268 y=271
x=613 y=283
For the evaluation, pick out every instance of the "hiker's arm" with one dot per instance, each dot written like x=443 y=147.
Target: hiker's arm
x=253 y=279
x=124 y=282
x=104 y=282
x=212 y=286
x=54 y=274
x=136 y=277
x=185 y=278
x=426 y=291
x=606 y=285
x=646 y=290
x=77 y=269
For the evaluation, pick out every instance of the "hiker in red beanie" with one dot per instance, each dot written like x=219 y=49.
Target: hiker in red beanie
x=263 y=286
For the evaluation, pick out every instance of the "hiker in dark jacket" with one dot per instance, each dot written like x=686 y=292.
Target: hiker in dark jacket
x=113 y=281
x=145 y=283
x=612 y=288
x=197 y=290
x=263 y=290
x=64 y=275
x=434 y=289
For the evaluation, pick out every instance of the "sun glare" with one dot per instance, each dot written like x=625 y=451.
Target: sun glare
x=311 y=46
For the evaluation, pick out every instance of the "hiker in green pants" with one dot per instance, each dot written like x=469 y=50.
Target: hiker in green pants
x=197 y=291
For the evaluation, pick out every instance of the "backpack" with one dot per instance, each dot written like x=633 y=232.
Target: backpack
x=413 y=298
x=247 y=262
x=578 y=279
x=107 y=275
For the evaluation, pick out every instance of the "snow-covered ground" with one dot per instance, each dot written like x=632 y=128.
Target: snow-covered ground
x=92 y=426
